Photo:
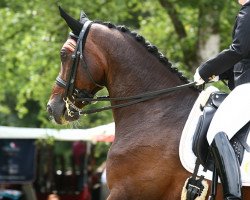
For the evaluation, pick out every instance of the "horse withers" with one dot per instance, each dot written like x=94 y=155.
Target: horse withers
x=143 y=161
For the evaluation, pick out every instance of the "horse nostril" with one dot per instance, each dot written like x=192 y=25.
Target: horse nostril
x=49 y=109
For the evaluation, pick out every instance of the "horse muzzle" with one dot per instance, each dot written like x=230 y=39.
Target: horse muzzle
x=58 y=111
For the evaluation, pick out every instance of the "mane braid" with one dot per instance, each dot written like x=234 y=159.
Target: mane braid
x=151 y=48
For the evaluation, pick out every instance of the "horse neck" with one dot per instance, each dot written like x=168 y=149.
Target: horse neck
x=131 y=69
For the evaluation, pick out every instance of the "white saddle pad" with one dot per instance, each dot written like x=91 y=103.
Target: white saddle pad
x=186 y=154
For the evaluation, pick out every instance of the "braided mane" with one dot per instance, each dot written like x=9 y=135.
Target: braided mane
x=151 y=48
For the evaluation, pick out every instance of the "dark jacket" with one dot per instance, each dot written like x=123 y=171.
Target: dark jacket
x=233 y=63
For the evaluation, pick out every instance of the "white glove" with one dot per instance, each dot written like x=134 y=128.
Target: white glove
x=197 y=78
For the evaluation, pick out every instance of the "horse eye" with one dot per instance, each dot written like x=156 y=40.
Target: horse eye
x=63 y=54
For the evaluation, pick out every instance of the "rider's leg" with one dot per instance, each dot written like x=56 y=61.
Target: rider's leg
x=228 y=166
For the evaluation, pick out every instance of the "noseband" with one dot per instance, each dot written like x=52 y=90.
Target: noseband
x=71 y=92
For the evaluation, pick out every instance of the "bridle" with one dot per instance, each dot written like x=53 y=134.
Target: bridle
x=71 y=92
x=77 y=95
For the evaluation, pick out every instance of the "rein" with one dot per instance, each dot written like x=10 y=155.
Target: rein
x=134 y=99
x=86 y=97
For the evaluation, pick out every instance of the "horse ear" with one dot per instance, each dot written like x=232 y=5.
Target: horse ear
x=73 y=24
x=83 y=17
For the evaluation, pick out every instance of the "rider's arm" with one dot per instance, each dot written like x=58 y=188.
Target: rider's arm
x=239 y=49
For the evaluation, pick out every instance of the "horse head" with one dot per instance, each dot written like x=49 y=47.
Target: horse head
x=81 y=74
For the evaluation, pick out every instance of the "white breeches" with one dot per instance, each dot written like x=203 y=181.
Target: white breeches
x=233 y=113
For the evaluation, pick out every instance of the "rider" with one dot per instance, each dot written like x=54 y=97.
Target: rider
x=232 y=64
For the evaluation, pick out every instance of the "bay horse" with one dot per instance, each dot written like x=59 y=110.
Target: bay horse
x=143 y=161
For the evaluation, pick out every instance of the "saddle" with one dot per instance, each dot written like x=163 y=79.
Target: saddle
x=200 y=145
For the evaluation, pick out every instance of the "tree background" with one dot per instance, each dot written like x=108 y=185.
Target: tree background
x=32 y=33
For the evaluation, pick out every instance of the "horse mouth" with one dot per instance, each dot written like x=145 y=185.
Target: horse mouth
x=65 y=117
x=59 y=113
x=70 y=117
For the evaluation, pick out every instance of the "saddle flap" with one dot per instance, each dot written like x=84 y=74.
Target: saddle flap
x=200 y=144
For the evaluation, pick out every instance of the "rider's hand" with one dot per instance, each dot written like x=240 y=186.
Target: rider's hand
x=214 y=79
x=197 y=78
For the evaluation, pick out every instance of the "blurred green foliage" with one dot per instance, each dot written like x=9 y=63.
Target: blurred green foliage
x=32 y=34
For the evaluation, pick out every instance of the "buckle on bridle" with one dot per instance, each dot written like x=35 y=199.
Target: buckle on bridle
x=69 y=105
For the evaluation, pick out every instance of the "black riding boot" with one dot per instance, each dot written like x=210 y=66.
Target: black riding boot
x=227 y=166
